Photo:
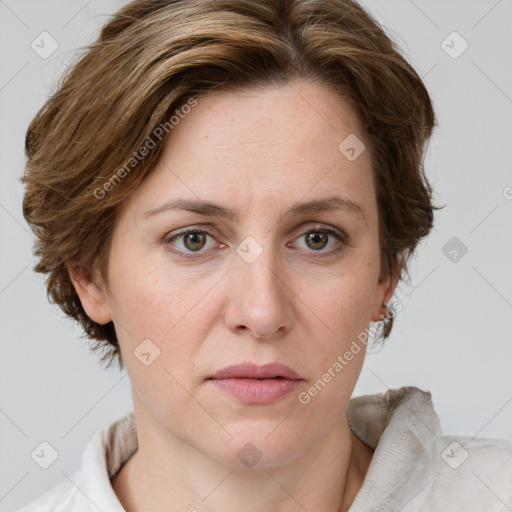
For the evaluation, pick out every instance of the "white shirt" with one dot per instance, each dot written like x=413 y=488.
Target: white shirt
x=414 y=467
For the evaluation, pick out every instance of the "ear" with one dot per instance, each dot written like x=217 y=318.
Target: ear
x=383 y=293
x=92 y=293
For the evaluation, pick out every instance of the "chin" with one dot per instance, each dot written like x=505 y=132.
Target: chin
x=259 y=445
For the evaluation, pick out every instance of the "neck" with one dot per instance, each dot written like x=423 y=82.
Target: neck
x=326 y=477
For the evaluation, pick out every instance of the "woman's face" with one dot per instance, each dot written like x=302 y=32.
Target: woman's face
x=270 y=281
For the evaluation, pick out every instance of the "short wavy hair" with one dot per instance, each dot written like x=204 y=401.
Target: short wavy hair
x=150 y=59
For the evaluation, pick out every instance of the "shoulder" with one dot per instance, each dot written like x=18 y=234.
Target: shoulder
x=65 y=496
x=489 y=456
x=473 y=473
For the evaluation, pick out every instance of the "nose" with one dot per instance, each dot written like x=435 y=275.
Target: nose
x=259 y=297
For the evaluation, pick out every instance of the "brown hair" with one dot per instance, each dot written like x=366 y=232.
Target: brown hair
x=152 y=57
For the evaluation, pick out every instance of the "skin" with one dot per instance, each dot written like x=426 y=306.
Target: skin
x=258 y=151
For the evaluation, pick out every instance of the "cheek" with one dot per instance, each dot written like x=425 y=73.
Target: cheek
x=163 y=322
x=344 y=299
x=344 y=310
x=165 y=306
x=148 y=298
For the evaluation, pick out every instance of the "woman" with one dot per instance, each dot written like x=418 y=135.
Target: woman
x=226 y=195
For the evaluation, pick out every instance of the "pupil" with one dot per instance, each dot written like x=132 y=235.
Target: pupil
x=196 y=239
x=318 y=238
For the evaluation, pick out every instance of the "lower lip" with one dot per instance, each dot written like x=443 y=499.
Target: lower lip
x=261 y=392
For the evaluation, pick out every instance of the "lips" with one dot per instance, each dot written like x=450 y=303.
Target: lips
x=253 y=371
x=257 y=385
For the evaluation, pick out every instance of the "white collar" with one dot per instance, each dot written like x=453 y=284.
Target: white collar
x=400 y=424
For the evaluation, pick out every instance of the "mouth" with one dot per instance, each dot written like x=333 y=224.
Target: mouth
x=257 y=385
x=255 y=372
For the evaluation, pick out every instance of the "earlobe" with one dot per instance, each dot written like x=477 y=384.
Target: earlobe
x=385 y=290
x=92 y=295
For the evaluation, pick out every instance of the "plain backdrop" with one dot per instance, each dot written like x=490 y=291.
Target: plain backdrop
x=453 y=336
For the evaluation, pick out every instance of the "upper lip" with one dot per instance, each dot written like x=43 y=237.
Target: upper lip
x=253 y=371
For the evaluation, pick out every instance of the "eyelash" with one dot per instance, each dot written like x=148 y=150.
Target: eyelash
x=341 y=236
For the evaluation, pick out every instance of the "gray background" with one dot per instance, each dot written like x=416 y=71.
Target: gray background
x=452 y=337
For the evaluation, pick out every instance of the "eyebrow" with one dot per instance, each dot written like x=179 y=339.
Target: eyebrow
x=211 y=209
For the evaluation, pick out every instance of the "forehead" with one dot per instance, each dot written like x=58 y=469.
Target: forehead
x=258 y=144
x=273 y=116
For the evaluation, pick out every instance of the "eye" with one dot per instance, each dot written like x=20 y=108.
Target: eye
x=319 y=238
x=191 y=241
